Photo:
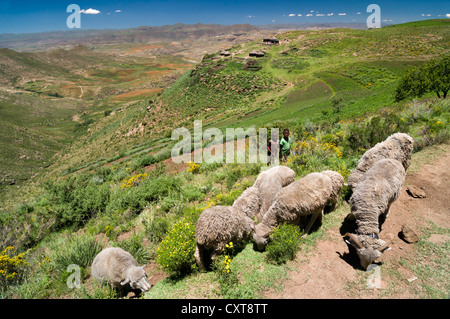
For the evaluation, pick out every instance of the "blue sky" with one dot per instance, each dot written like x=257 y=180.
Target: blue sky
x=48 y=15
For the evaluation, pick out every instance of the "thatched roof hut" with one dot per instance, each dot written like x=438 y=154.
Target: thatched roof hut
x=272 y=40
x=257 y=54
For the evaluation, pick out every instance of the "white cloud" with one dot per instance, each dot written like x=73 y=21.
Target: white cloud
x=320 y=15
x=312 y=11
x=342 y=14
x=90 y=11
x=292 y=15
x=251 y=17
x=299 y=15
x=358 y=12
x=309 y=15
x=428 y=15
x=330 y=14
x=118 y=11
x=448 y=15
x=274 y=20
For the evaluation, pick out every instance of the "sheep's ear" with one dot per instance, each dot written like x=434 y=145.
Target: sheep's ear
x=352 y=240
x=384 y=247
x=142 y=267
x=125 y=281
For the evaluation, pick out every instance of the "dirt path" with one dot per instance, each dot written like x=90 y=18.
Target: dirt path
x=329 y=271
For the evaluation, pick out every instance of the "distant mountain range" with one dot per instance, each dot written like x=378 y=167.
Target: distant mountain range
x=309 y=26
x=143 y=34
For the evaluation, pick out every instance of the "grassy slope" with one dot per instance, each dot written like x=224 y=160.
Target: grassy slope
x=63 y=93
x=360 y=66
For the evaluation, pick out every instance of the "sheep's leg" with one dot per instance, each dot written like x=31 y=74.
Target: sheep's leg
x=384 y=216
x=314 y=216
x=199 y=258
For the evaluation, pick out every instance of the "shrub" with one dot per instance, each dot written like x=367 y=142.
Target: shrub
x=12 y=266
x=75 y=199
x=78 y=250
x=110 y=233
x=283 y=243
x=193 y=193
x=156 y=228
x=134 y=180
x=102 y=290
x=149 y=190
x=233 y=174
x=193 y=168
x=147 y=160
x=175 y=254
x=224 y=272
x=153 y=189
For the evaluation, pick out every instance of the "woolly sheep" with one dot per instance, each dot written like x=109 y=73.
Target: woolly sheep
x=120 y=268
x=398 y=146
x=256 y=199
x=218 y=226
x=307 y=196
x=376 y=190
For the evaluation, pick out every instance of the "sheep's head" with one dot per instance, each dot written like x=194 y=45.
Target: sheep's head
x=137 y=278
x=368 y=248
x=261 y=235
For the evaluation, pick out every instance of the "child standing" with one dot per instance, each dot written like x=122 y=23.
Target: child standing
x=285 y=145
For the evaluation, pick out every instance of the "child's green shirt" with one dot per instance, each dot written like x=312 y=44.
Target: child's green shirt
x=285 y=145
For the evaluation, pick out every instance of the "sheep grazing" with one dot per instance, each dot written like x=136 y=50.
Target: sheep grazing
x=376 y=190
x=120 y=268
x=307 y=196
x=398 y=146
x=216 y=227
x=256 y=200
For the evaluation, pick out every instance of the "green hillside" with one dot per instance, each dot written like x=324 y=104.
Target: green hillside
x=115 y=184
x=297 y=78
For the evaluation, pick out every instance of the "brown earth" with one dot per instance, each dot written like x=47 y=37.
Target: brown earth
x=331 y=271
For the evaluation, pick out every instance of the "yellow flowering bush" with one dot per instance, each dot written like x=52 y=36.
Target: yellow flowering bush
x=311 y=154
x=283 y=243
x=193 y=167
x=175 y=254
x=436 y=125
x=225 y=275
x=311 y=146
x=110 y=233
x=11 y=265
x=133 y=180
